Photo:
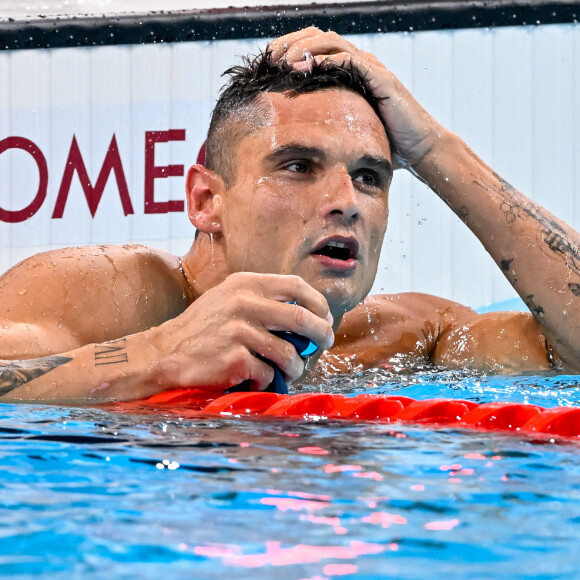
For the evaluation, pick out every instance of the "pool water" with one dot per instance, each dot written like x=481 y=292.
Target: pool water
x=93 y=493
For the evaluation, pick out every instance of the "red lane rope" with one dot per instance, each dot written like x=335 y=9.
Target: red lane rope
x=515 y=417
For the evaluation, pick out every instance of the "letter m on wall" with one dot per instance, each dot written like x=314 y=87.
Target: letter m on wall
x=75 y=162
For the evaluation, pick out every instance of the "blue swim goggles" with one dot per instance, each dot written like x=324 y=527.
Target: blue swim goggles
x=304 y=347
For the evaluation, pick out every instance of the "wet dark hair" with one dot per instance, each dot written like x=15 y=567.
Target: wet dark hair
x=239 y=110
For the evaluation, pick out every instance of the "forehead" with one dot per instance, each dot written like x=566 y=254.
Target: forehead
x=330 y=117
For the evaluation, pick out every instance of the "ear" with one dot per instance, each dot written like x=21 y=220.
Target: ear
x=204 y=190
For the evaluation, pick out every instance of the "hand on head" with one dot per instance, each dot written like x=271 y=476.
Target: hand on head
x=413 y=133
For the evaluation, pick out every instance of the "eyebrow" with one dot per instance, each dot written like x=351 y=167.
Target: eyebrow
x=376 y=162
x=295 y=150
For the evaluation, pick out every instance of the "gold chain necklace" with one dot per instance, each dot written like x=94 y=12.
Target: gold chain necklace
x=187 y=280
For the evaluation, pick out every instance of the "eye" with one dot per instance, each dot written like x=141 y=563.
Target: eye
x=297 y=167
x=367 y=177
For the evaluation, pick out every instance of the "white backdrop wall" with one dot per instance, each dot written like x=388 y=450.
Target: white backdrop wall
x=20 y=9
x=512 y=93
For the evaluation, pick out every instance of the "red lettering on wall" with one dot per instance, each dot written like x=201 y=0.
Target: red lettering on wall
x=153 y=172
x=93 y=195
x=21 y=215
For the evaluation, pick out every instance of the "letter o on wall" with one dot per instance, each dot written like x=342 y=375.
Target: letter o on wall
x=16 y=216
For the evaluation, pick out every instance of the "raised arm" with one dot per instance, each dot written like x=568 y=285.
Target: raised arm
x=537 y=252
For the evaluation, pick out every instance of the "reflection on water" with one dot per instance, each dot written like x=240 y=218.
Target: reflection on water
x=90 y=492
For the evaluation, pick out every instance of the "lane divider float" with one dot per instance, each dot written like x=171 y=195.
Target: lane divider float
x=496 y=416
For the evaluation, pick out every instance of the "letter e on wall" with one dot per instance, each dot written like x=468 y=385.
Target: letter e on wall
x=153 y=172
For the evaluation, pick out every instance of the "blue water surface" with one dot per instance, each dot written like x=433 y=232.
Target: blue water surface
x=97 y=494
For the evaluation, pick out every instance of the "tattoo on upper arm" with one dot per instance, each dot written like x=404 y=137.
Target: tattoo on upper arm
x=111 y=352
x=14 y=374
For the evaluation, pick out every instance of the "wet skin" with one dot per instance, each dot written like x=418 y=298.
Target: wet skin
x=302 y=220
x=321 y=167
x=319 y=171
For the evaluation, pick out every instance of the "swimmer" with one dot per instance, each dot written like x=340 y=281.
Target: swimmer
x=291 y=207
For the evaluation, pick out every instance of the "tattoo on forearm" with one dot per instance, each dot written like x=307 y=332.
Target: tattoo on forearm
x=506 y=264
x=535 y=309
x=554 y=234
x=14 y=374
x=511 y=212
x=111 y=352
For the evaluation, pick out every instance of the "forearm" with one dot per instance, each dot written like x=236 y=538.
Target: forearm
x=537 y=252
x=123 y=369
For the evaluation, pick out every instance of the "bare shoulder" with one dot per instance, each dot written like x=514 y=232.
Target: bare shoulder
x=415 y=311
x=447 y=333
x=499 y=342
x=94 y=293
x=386 y=325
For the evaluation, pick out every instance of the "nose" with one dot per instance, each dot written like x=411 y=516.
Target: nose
x=341 y=199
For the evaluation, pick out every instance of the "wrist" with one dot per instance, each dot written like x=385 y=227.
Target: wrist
x=442 y=156
x=148 y=350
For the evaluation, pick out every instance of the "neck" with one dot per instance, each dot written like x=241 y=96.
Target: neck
x=204 y=265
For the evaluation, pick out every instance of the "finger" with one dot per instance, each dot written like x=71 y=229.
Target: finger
x=260 y=342
x=304 y=66
x=345 y=59
x=304 y=295
x=295 y=318
x=339 y=59
x=370 y=72
x=284 y=356
x=248 y=309
x=282 y=288
x=326 y=43
x=280 y=45
x=259 y=374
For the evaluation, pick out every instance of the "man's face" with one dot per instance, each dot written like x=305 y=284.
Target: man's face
x=309 y=195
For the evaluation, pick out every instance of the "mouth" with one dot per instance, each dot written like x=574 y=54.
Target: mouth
x=338 y=252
